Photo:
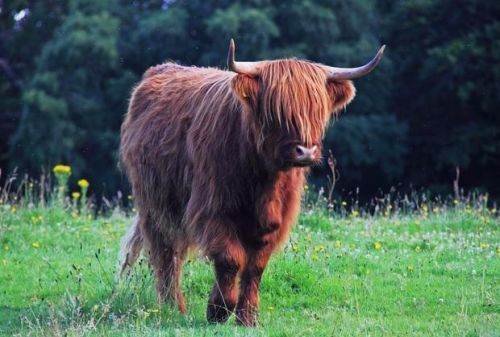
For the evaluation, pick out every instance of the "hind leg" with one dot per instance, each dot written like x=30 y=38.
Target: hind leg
x=167 y=258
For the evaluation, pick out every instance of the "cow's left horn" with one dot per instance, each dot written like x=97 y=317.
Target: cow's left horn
x=351 y=73
x=247 y=68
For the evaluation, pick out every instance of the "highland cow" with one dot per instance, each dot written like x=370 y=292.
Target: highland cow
x=218 y=160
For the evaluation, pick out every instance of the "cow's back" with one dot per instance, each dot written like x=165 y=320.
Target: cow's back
x=161 y=131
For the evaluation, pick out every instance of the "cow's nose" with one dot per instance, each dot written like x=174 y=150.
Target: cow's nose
x=306 y=153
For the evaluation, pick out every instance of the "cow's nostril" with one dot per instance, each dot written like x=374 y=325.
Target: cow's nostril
x=299 y=150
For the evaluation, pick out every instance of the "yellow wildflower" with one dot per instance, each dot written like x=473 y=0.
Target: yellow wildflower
x=417 y=249
x=377 y=245
x=315 y=257
x=417 y=222
x=83 y=183
x=409 y=268
x=64 y=169
x=75 y=195
x=35 y=245
x=338 y=244
x=484 y=245
x=320 y=248
x=354 y=213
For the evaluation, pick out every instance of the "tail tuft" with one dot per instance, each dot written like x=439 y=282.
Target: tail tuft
x=131 y=247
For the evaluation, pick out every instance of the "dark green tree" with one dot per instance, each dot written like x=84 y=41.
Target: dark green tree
x=72 y=108
x=24 y=28
x=448 y=57
x=67 y=69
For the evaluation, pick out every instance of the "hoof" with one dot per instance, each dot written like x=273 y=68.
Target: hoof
x=217 y=313
x=246 y=318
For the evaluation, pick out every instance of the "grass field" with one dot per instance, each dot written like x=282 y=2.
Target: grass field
x=430 y=271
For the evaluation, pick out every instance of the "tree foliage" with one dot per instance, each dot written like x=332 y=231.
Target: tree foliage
x=448 y=55
x=68 y=69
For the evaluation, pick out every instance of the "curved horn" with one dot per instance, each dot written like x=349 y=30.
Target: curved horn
x=247 y=68
x=351 y=73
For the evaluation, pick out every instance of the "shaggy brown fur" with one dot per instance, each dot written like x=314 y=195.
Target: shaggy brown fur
x=209 y=154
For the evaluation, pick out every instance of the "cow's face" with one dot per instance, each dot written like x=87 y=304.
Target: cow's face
x=289 y=106
x=290 y=102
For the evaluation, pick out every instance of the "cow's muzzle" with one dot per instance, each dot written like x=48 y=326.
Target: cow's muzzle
x=306 y=156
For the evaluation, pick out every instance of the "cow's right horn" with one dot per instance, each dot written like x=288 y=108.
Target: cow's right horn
x=246 y=68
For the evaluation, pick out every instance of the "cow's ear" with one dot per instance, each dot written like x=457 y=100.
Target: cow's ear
x=246 y=88
x=341 y=93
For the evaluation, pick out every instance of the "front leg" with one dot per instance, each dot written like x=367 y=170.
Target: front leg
x=248 y=303
x=228 y=263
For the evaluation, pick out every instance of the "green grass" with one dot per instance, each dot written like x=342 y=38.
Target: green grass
x=430 y=272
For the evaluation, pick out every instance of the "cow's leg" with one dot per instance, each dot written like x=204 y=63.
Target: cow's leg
x=228 y=263
x=167 y=258
x=248 y=302
x=178 y=262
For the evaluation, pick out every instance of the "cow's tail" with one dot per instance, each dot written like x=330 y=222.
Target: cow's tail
x=131 y=247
